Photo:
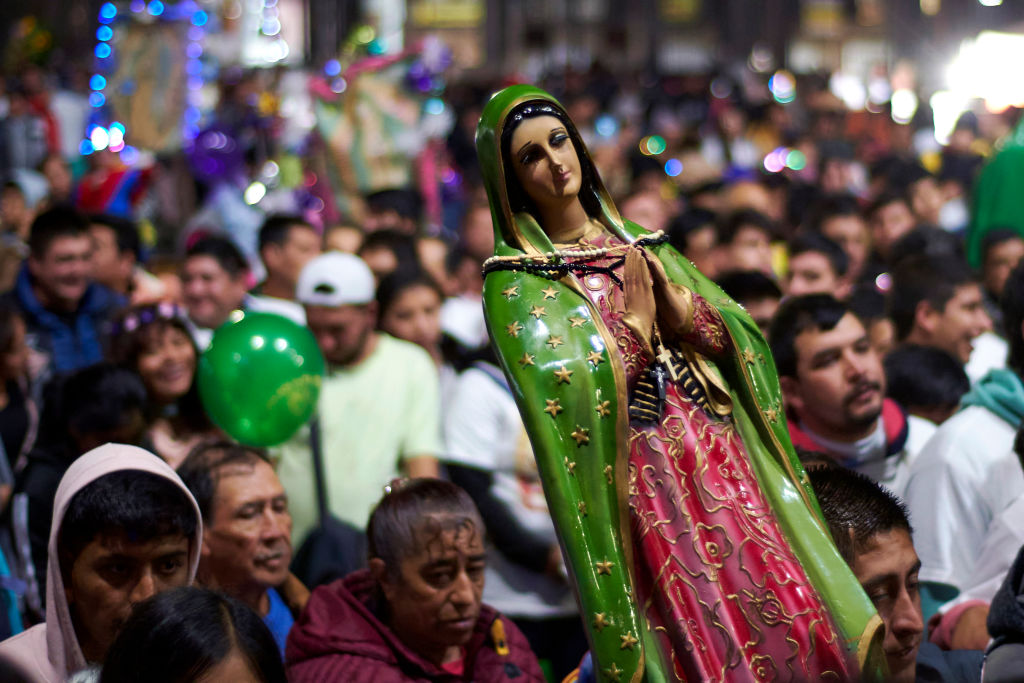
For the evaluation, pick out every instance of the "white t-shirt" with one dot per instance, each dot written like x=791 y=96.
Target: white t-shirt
x=371 y=417
x=965 y=474
x=484 y=430
x=989 y=353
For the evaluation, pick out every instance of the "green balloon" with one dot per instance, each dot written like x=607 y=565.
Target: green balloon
x=260 y=379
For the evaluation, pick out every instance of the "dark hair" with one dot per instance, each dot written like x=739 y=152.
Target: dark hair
x=832 y=206
x=867 y=303
x=819 y=312
x=200 y=470
x=126 y=233
x=730 y=226
x=924 y=278
x=805 y=242
x=1012 y=306
x=126 y=345
x=179 y=635
x=398 y=243
x=8 y=314
x=924 y=377
x=811 y=459
x=412 y=506
x=405 y=202
x=926 y=240
x=856 y=509
x=748 y=285
x=518 y=200
x=885 y=198
x=137 y=504
x=397 y=282
x=223 y=251
x=99 y=398
x=276 y=228
x=689 y=221
x=60 y=221
x=993 y=238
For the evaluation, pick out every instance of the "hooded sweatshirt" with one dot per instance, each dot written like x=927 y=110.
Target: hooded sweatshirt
x=49 y=652
x=339 y=637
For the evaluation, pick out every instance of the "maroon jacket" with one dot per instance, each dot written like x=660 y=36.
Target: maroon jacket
x=339 y=638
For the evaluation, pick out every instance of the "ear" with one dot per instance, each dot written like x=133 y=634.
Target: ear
x=379 y=572
x=843 y=288
x=33 y=265
x=791 y=394
x=270 y=255
x=926 y=318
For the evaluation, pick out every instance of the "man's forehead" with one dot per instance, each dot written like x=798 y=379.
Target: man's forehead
x=881 y=554
x=121 y=542
x=847 y=330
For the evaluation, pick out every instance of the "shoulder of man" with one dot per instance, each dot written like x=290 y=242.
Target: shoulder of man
x=503 y=653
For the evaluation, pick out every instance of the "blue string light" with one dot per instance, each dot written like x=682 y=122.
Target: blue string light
x=97 y=82
x=102 y=51
x=104 y=32
x=107 y=12
x=156 y=8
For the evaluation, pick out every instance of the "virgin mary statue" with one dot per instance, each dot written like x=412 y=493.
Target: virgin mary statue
x=694 y=542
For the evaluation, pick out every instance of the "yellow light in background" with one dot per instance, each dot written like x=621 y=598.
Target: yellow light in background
x=931 y=7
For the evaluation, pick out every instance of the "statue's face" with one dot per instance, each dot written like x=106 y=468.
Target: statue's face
x=545 y=161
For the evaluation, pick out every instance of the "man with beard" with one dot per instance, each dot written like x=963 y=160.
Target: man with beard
x=834 y=388
x=246 y=532
x=379 y=412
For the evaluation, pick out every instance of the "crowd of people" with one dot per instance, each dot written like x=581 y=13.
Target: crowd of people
x=403 y=533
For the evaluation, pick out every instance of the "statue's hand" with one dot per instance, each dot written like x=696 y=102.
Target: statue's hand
x=639 y=298
x=674 y=302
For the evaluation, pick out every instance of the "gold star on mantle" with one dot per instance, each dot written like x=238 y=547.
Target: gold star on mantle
x=600 y=621
x=576 y=321
x=628 y=641
x=608 y=473
x=554 y=342
x=771 y=414
x=581 y=435
x=511 y=291
x=550 y=292
x=582 y=507
x=603 y=408
x=514 y=328
x=527 y=359
x=595 y=357
x=554 y=407
x=749 y=356
x=538 y=312
x=613 y=672
x=563 y=375
x=604 y=567
x=570 y=466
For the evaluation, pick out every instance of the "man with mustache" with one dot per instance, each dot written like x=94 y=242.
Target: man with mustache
x=834 y=388
x=246 y=532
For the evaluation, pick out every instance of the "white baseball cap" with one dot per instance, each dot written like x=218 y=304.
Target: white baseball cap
x=335 y=279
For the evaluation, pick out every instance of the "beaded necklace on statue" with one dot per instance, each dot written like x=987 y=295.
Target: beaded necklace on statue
x=554 y=265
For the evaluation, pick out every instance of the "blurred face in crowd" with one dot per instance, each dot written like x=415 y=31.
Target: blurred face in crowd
x=432 y=253
x=111 y=575
x=926 y=200
x=111 y=267
x=954 y=328
x=887 y=570
x=343 y=238
x=811 y=272
x=434 y=597
x=15 y=357
x=477 y=235
x=749 y=250
x=851 y=233
x=415 y=316
x=63 y=272
x=167 y=363
x=247 y=543
x=839 y=384
x=210 y=293
x=889 y=223
x=58 y=177
x=285 y=261
x=762 y=311
x=14 y=212
x=1000 y=260
x=381 y=261
x=345 y=333
x=700 y=248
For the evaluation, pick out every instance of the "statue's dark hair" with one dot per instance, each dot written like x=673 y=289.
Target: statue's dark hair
x=517 y=198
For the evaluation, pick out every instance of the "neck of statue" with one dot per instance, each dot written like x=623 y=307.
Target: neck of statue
x=564 y=222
